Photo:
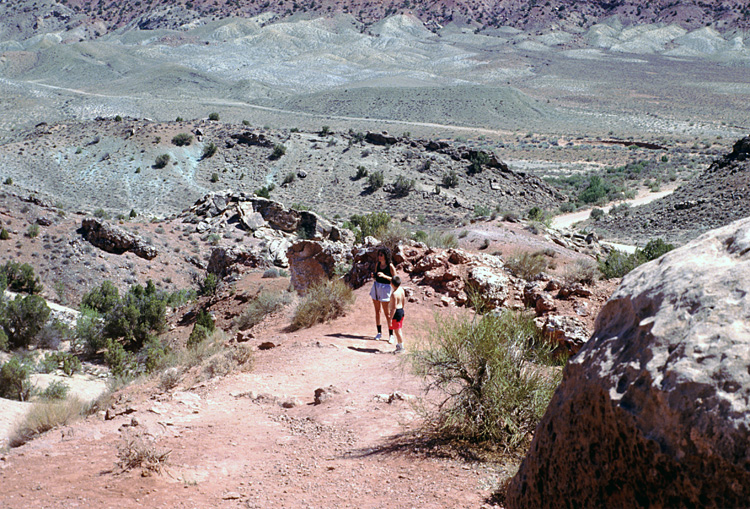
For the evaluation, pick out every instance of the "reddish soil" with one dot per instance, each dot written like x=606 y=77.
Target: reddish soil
x=233 y=445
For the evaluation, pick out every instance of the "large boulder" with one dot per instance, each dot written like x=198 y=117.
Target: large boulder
x=114 y=239
x=654 y=411
x=311 y=261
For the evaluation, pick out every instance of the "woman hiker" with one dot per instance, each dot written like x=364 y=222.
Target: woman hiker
x=381 y=290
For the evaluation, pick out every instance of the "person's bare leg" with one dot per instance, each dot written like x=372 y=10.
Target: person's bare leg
x=378 y=305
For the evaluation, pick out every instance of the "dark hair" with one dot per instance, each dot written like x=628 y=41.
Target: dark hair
x=386 y=252
x=396 y=281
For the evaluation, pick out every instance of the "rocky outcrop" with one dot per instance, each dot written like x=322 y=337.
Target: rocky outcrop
x=224 y=261
x=311 y=261
x=115 y=240
x=654 y=411
x=255 y=213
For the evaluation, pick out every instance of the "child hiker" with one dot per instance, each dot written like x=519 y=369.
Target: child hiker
x=396 y=310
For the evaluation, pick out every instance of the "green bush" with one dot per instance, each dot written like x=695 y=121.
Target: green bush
x=289 y=178
x=153 y=356
x=209 y=150
x=90 y=332
x=182 y=139
x=361 y=172
x=585 y=271
x=617 y=263
x=23 y=318
x=20 y=277
x=139 y=313
x=161 y=161
x=597 y=214
x=197 y=336
x=33 y=231
x=594 y=192
x=102 y=299
x=265 y=303
x=56 y=390
x=214 y=177
x=450 y=179
x=14 y=380
x=402 y=186
x=52 y=334
x=324 y=301
x=278 y=151
x=213 y=116
x=121 y=363
x=477 y=162
x=493 y=373
x=373 y=224
x=67 y=362
x=375 y=180
x=265 y=191
x=210 y=284
x=4 y=235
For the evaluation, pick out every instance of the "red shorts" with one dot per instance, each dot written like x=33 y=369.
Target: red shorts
x=398 y=319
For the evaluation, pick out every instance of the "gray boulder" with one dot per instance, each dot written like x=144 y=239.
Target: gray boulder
x=114 y=239
x=654 y=411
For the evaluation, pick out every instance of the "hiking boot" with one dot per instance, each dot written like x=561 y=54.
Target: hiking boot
x=378 y=336
x=399 y=348
x=392 y=340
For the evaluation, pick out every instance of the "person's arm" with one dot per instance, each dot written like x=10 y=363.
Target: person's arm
x=391 y=306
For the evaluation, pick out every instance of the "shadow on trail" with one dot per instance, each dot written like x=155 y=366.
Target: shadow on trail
x=365 y=350
x=425 y=445
x=349 y=336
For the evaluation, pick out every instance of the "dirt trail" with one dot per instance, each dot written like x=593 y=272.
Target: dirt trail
x=568 y=220
x=233 y=445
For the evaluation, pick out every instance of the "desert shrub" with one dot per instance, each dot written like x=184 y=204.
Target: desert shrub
x=209 y=285
x=271 y=273
x=395 y=234
x=373 y=224
x=265 y=191
x=137 y=451
x=265 y=303
x=594 y=192
x=8 y=181
x=375 y=180
x=597 y=214
x=481 y=211
x=153 y=355
x=213 y=116
x=213 y=239
x=14 y=380
x=214 y=177
x=654 y=249
x=325 y=131
x=32 y=231
x=140 y=312
x=361 y=172
x=209 y=150
x=182 y=139
x=622 y=209
x=161 y=161
x=204 y=319
x=4 y=235
x=289 y=178
x=526 y=265
x=169 y=379
x=3 y=340
x=278 y=151
x=197 y=336
x=402 y=186
x=121 y=363
x=118 y=118
x=56 y=390
x=90 y=332
x=22 y=319
x=584 y=271
x=477 y=162
x=20 y=277
x=617 y=264
x=52 y=334
x=450 y=179
x=567 y=207
x=442 y=240
x=64 y=361
x=103 y=298
x=324 y=301
x=493 y=373
x=46 y=415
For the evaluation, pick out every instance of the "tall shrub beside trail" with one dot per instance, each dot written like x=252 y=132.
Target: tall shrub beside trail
x=496 y=377
x=324 y=301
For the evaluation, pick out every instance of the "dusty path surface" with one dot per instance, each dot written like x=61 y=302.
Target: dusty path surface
x=568 y=220
x=233 y=444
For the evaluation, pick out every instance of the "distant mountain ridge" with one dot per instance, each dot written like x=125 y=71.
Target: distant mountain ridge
x=94 y=18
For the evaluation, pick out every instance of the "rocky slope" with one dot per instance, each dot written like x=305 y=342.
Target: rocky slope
x=92 y=18
x=718 y=196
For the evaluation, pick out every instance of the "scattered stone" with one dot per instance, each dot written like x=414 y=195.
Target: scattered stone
x=266 y=345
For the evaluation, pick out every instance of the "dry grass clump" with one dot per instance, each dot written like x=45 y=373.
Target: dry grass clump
x=46 y=415
x=495 y=375
x=265 y=303
x=527 y=265
x=584 y=271
x=324 y=301
x=136 y=451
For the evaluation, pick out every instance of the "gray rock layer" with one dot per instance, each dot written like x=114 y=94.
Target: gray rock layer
x=655 y=409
